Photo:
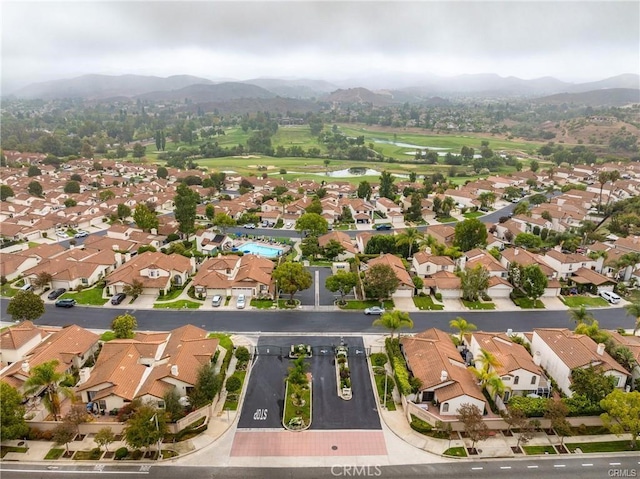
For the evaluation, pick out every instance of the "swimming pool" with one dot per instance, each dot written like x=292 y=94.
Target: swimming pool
x=259 y=249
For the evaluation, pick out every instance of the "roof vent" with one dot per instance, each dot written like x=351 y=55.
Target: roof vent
x=600 y=349
x=25 y=367
x=537 y=358
x=443 y=375
x=174 y=370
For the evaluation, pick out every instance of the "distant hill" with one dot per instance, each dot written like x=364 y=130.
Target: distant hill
x=302 y=88
x=627 y=80
x=361 y=95
x=241 y=106
x=209 y=93
x=106 y=86
x=602 y=97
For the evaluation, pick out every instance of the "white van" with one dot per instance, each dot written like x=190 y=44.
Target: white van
x=610 y=296
x=26 y=287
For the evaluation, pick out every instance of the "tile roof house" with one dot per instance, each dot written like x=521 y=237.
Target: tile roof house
x=442 y=233
x=425 y=264
x=523 y=257
x=562 y=350
x=446 y=382
x=156 y=271
x=16 y=341
x=632 y=343
x=71 y=346
x=147 y=366
x=342 y=238
x=517 y=369
x=230 y=275
x=406 y=287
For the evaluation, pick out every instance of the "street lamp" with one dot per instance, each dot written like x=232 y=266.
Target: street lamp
x=155 y=417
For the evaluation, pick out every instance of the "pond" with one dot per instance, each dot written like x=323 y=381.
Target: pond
x=409 y=145
x=350 y=173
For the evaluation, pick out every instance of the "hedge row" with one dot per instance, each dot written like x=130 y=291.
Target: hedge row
x=400 y=372
x=536 y=407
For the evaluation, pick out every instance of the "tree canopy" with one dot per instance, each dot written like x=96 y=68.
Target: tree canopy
x=470 y=233
x=25 y=306
x=394 y=320
x=144 y=218
x=312 y=224
x=292 y=277
x=186 y=200
x=342 y=282
x=124 y=325
x=380 y=282
x=12 y=423
x=622 y=413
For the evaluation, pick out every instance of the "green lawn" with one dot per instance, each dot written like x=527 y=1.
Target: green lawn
x=588 y=301
x=447 y=219
x=171 y=295
x=456 y=452
x=225 y=340
x=425 y=302
x=5 y=449
x=356 y=304
x=391 y=406
x=534 y=450
x=291 y=411
x=262 y=303
x=91 y=296
x=181 y=304
x=7 y=291
x=473 y=214
x=527 y=303
x=231 y=402
x=93 y=455
x=54 y=454
x=478 y=304
x=605 y=446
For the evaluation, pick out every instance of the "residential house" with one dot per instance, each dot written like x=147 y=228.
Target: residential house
x=16 y=341
x=230 y=275
x=156 y=271
x=566 y=264
x=632 y=343
x=406 y=287
x=446 y=383
x=342 y=238
x=425 y=264
x=561 y=351
x=522 y=257
x=444 y=234
x=210 y=242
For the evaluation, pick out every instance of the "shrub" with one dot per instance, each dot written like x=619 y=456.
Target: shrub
x=234 y=383
x=121 y=453
x=3 y=280
x=378 y=359
x=242 y=354
x=173 y=237
x=419 y=425
x=137 y=455
x=531 y=407
x=579 y=405
x=438 y=296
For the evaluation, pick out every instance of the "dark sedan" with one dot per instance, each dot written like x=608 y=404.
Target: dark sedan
x=66 y=303
x=56 y=293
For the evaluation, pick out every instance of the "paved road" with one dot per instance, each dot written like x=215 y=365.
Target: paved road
x=317 y=322
x=559 y=467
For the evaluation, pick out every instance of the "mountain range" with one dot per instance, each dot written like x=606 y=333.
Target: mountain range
x=380 y=90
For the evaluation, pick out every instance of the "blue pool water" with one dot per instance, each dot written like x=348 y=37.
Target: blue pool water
x=262 y=250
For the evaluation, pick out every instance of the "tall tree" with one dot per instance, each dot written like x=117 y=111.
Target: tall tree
x=104 y=437
x=25 y=306
x=633 y=309
x=207 y=385
x=139 y=150
x=474 y=426
x=364 y=190
x=144 y=218
x=42 y=279
x=6 y=192
x=580 y=315
x=45 y=377
x=12 y=423
x=470 y=233
x=387 y=188
x=162 y=172
x=312 y=224
x=487 y=198
x=64 y=433
x=124 y=325
x=463 y=326
x=33 y=171
x=223 y=221
x=533 y=281
x=380 y=282
x=342 y=282
x=186 y=200
x=72 y=187
x=557 y=413
x=622 y=413
x=409 y=237
x=394 y=320
x=592 y=383
x=146 y=426
x=34 y=188
x=292 y=277
x=123 y=211
x=474 y=281
x=333 y=249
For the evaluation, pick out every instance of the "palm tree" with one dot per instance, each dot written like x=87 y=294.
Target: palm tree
x=447 y=205
x=284 y=201
x=46 y=378
x=633 y=309
x=580 y=315
x=495 y=385
x=603 y=177
x=613 y=177
x=409 y=237
x=488 y=360
x=462 y=326
x=487 y=198
x=394 y=320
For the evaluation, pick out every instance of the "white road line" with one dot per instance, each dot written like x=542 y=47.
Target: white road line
x=477 y=468
x=317 y=288
x=532 y=467
x=505 y=467
x=587 y=465
x=559 y=465
x=616 y=463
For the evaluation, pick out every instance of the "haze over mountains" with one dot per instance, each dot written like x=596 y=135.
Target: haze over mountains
x=380 y=90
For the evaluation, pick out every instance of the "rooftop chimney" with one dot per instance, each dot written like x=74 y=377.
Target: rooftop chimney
x=174 y=370
x=443 y=375
x=537 y=358
x=25 y=367
x=515 y=252
x=600 y=349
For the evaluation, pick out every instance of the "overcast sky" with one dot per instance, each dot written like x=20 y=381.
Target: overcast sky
x=570 y=40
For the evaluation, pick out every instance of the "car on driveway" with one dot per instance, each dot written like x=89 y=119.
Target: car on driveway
x=81 y=234
x=62 y=234
x=384 y=226
x=118 y=298
x=56 y=293
x=241 y=302
x=288 y=225
x=610 y=296
x=249 y=226
x=374 y=310
x=66 y=303
x=216 y=300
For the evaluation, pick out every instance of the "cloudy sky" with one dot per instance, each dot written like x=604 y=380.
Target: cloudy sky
x=333 y=40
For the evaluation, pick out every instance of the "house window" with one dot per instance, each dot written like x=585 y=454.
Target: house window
x=516 y=380
x=153 y=273
x=445 y=407
x=102 y=405
x=506 y=378
x=533 y=379
x=84 y=281
x=161 y=404
x=428 y=268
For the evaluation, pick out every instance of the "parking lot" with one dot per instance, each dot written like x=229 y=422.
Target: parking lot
x=264 y=400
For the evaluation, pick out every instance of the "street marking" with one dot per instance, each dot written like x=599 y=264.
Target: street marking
x=98 y=467
x=532 y=467
x=72 y=472
x=146 y=467
x=505 y=467
x=616 y=463
x=559 y=465
x=477 y=468
x=587 y=465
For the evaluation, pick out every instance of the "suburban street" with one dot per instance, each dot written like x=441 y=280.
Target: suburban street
x=305 y=321
x=538 y=468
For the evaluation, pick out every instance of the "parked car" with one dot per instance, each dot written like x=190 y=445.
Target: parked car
x=249 y=226
x=26 y=287
x=265 y=224
x=56 y=293
x=81 y=234
x=62 y=234
x=216 y=300
x=288 y=224
x=610 y=296
x=374 y=310
x=118 y=298
x=384 y=226
x=240 y=303
x=66 y=303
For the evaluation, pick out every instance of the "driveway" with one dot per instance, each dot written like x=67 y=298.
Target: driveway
x=324 y=296
x=404 y=304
